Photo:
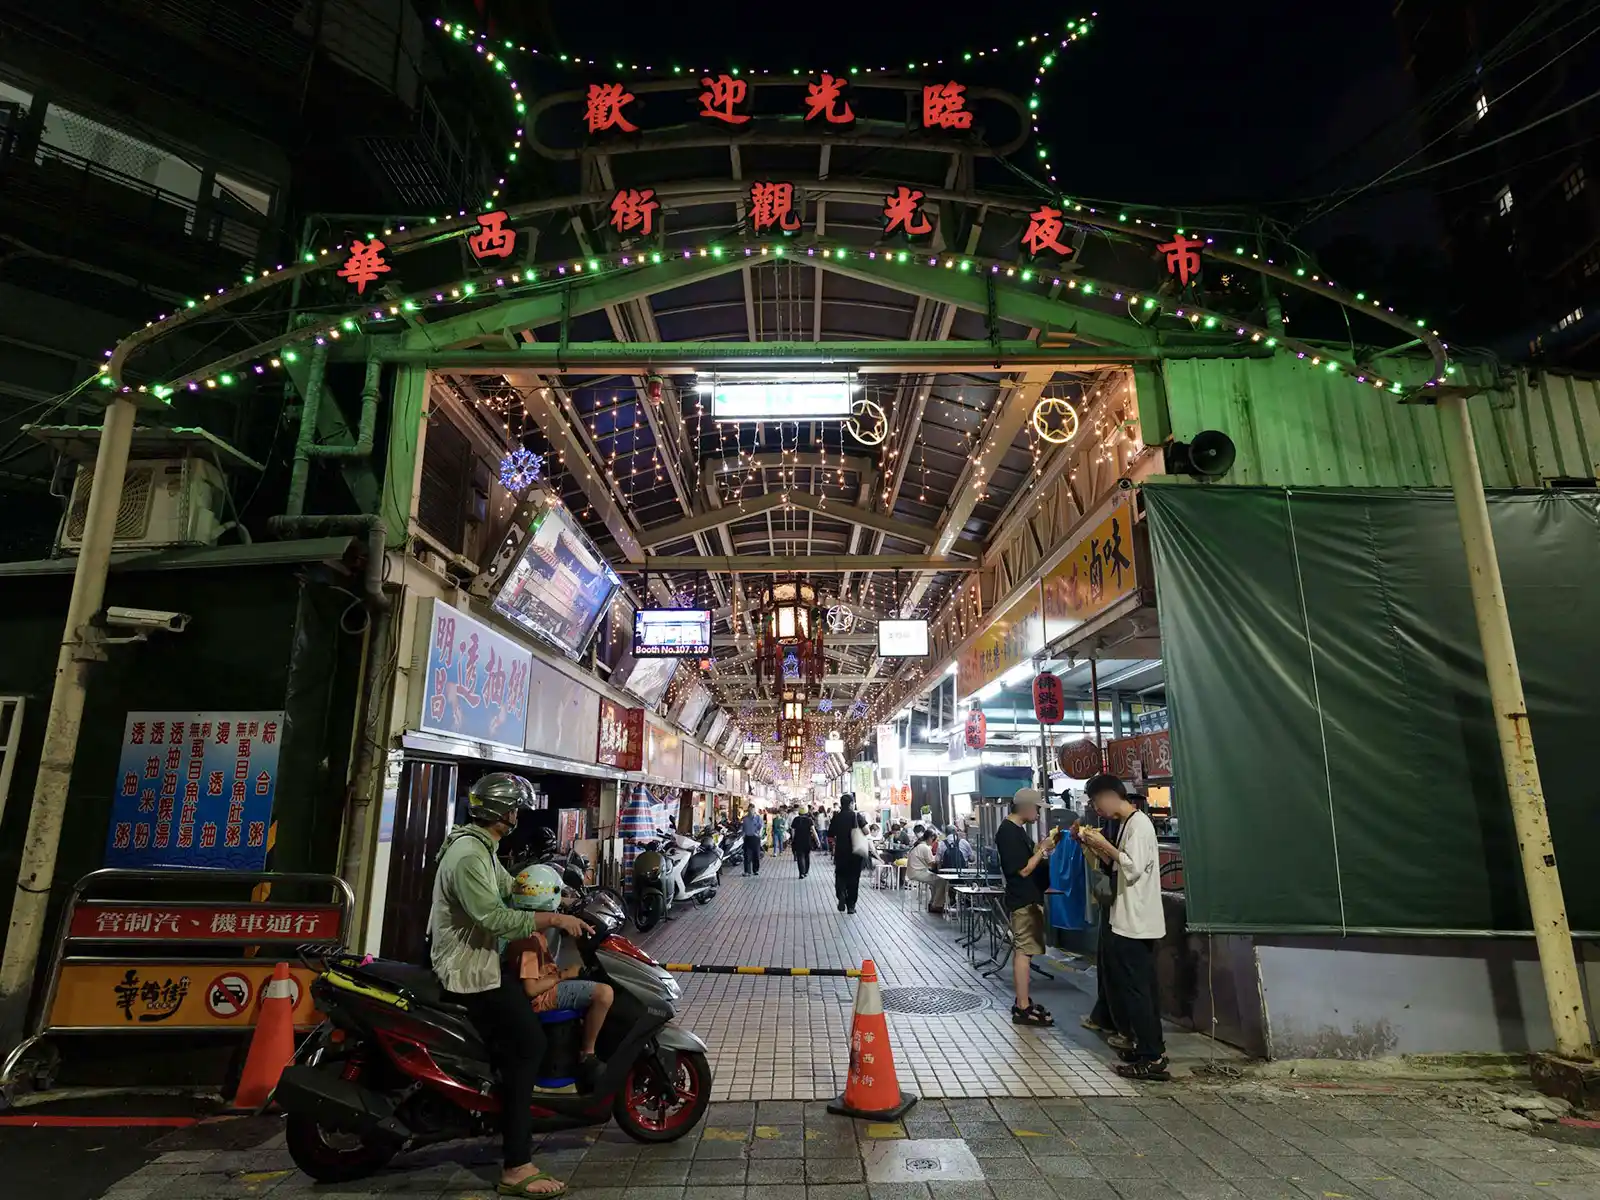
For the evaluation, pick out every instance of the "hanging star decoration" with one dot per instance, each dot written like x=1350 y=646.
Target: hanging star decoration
x=840 y=619
x=520 y=470
x=858 y=709
x=1055 y=420
x=868 y=423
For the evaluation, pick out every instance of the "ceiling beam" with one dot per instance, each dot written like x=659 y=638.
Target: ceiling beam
x=880 y=357
x=575 y=296
x=781 y=564
x=924 y=535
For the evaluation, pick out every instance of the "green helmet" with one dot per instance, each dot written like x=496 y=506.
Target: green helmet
x=497 y=797
x=537 y=889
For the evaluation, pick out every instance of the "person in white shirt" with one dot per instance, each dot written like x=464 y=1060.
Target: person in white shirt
x=1137 y=926
x=921 y=865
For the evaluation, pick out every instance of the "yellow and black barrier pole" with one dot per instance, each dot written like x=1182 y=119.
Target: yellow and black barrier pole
x=713 y=969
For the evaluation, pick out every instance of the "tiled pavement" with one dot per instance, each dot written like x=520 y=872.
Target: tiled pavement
x=780 y=1038
x=1190 y=1143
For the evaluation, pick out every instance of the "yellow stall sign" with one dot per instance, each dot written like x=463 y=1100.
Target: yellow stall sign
x=148 y=994
x=1096 y=573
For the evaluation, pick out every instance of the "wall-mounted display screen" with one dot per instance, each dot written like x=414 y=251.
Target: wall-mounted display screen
x=902 y=639
x=558 y=585
x=692 y=706
x=671 y=632
x=647 y=678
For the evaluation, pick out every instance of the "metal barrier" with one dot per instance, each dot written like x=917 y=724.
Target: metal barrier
x=705 y=969
x=139 y=989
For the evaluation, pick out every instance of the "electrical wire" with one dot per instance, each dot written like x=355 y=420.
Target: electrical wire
x=1453 y=128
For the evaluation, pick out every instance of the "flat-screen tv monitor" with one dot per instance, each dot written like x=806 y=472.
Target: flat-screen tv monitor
x=558 y=586
x=647 y=678
x=692 y=706
x=902 y=639
x=671 y=633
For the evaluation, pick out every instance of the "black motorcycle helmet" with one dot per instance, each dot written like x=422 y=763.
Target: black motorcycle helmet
x=541 y=843
x=498 y=797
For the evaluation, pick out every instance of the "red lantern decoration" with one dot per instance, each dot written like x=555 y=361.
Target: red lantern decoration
x=1048 y=703
x=977 y=730
x=1081 y=759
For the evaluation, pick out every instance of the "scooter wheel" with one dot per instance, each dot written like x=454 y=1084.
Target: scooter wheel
x=330 y=1157
x=639 y=1110
x=648 y=912
x=704 y=898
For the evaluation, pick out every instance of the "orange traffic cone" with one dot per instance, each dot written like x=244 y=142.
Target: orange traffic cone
x=272 y=1043
x=872 y=1089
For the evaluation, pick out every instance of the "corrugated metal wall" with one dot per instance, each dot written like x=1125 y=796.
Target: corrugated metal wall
x=1297 y=424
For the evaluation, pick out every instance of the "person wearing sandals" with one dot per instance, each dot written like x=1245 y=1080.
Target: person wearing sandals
x=1027 y=875
x=469 y=917
x=1137 y=927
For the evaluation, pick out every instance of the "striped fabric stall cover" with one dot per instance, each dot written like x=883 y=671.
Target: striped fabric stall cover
x=636 y=824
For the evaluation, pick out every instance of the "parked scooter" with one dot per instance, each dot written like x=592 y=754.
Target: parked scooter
x=395 y=1067
x=731 y=847
x=670 y=870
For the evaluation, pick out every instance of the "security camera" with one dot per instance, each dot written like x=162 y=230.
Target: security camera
x=146 y=618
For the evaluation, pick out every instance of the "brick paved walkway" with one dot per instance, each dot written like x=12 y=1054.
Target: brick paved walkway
x=1190 y=1143
x=788 y=1038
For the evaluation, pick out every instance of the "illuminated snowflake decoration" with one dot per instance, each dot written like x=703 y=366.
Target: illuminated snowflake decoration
x=825 y=705
x=858 y=709
x=840 y=619
x=520 y=470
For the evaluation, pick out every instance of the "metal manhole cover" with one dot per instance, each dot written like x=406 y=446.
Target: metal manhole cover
x=930 y=1001
x=922 y=1164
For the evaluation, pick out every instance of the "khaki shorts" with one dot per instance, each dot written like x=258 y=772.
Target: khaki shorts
x=1027 y=929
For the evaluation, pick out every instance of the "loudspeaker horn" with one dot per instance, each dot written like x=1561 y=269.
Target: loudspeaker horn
x=1209 y=455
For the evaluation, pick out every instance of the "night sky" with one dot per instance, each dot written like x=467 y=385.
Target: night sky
x=1164 y=103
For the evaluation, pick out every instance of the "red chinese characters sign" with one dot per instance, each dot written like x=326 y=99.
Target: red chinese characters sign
x=977 y=730
x=621 y=737
x=1047 y=698
x=205 y=923
x=1147 y=756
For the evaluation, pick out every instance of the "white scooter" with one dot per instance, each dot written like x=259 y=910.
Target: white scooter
x=671 y=870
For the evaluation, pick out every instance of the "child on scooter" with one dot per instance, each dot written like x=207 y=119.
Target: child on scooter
x=552 y=987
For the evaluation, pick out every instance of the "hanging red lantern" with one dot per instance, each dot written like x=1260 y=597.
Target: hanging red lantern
x=977 y=730
x=1048 y=703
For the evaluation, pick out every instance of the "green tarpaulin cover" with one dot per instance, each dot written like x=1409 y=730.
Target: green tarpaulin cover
x=1333 y=743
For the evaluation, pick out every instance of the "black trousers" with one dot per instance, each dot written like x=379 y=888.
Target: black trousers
x=752 y=854
x=802 y=858
x=1102 y=1014
x=847 y=878
x=505 y=1019
x=1135 y=1003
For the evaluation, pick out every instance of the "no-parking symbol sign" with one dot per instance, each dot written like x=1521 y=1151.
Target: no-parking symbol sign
x=228 y=995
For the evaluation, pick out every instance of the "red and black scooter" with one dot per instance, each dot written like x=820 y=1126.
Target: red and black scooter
x=395 y=1067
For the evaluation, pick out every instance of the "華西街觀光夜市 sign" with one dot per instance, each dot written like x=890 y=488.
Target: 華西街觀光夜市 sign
x=476 y=686
x=1098 y=571
x=195 y=789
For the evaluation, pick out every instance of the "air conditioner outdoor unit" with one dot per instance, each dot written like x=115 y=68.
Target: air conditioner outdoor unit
x=165 y=502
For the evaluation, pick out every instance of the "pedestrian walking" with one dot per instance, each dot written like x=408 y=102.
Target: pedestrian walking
x=803 y=837
x=1137 y=927
x=752 y=841
x=780 y=830
x=847 y=864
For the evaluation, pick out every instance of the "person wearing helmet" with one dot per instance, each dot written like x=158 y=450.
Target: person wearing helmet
x=533 y=960
x=469 y=919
